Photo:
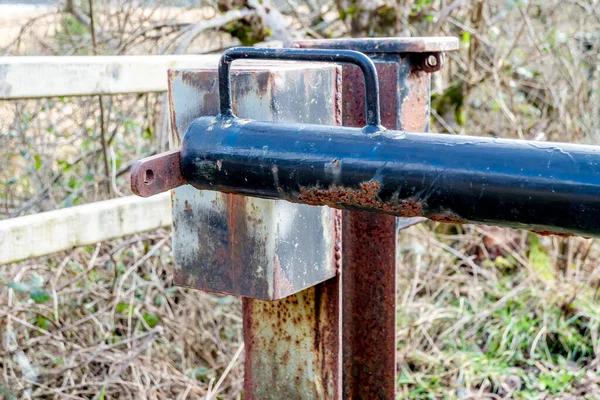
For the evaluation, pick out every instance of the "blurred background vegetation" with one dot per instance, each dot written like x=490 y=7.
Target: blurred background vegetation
x=482 y=312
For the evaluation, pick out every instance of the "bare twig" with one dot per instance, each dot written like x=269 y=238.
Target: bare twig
x=215 y=390
x=192 y=31
x=100 y=104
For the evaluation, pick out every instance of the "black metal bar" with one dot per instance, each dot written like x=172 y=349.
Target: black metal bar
x=541 y=186
x=315 y=55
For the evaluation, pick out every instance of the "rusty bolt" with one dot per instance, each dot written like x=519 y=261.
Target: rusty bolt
x=430 y=62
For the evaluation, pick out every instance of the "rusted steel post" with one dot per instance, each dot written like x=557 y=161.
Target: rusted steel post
x=293 y=345
x=369 y=240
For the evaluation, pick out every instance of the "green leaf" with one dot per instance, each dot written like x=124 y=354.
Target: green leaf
x=38 y=161
x=125 y=308
x=460 y=116
x=539 y=260
x=43 y=323
x=19 y=287
x=36 y=280
x=74 y=183
x=64 y=165
x=466 y=39
x=102 y=393
x=147 y=134
x=40 y=296
x=151 y=320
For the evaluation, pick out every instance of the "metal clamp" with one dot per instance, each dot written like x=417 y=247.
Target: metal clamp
x=316 y=55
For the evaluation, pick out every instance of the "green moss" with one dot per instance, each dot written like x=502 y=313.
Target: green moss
x=248 y=34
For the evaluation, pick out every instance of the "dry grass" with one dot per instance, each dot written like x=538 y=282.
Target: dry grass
x=52 y=152
x=496 y=317
x=113 y=326
x=492 y=313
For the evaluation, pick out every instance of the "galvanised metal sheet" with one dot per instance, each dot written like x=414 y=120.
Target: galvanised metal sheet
x=245 y=246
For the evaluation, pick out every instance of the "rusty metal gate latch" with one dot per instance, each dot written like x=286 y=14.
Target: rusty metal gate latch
x=541 y=186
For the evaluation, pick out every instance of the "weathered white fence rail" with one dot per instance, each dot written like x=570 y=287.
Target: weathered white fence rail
x=52 y=231
x=34 y=77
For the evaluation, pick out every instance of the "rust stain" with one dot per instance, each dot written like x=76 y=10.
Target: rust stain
x=337 y=237
x=337 y=96
x=157 y=174
x=293 y=345
x=366 y=197
x=229 y=260
x=197 y=79
x=254 y=82
x=203 y=81
x=369 y=312
x=368 y=255
x=229 y=249
x=281 y=285
x=299 y=334
x=368 y=251
x=548 y=233
x=353 y=95
x=414 y=110
x=175 y=140
x=447 y=217
x=245 y=249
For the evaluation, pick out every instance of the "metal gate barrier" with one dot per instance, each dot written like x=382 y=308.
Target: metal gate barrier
x=319 y=284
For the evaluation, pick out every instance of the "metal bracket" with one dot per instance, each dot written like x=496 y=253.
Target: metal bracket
x=247 y=246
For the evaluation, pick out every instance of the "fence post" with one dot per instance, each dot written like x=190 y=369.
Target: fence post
x=369 y=240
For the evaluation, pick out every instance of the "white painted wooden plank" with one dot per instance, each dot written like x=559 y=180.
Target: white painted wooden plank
x=53 y=231
x=34 y=77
